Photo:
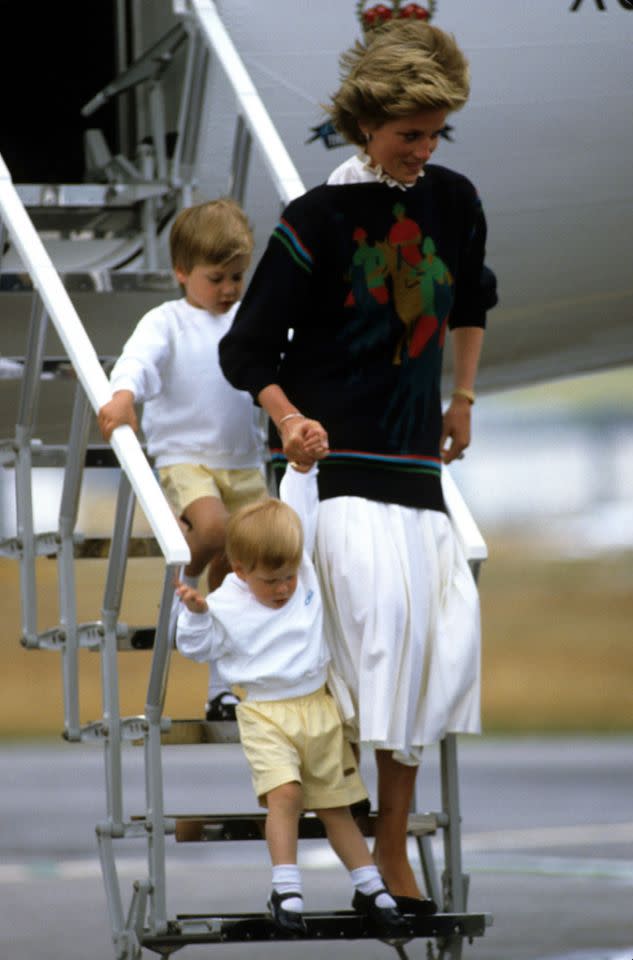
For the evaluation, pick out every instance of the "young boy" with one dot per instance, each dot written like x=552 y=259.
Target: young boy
x=202 y=433
x=263 y=630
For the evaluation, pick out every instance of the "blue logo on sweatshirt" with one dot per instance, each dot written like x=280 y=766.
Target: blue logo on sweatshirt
x=309 y=596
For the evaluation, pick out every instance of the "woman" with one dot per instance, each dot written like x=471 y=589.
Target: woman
x=369 y=271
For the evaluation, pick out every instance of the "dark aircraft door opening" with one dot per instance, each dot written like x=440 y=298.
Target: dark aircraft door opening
x=71 y=56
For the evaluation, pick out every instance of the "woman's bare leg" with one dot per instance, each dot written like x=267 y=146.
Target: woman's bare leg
x=396 y=783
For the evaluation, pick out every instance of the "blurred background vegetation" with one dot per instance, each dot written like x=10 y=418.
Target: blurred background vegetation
x=549 y=479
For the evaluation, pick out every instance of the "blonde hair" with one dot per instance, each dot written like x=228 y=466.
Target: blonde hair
x=210 y=233
x=267 y=533
x=406 y=67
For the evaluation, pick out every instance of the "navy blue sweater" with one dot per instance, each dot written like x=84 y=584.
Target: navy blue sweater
x=368 y=278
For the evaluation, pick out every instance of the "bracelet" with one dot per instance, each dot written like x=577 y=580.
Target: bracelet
x=466 y=394
x=289 y=416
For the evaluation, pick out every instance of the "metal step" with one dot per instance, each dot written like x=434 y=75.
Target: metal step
x=53 y=368
x=130 y=729
x=90 y=637
x=338 y=925
x=219 y=827
x=54 y=454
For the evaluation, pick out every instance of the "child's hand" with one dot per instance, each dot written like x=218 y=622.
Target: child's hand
x=193 y=600
x=304 y=441
x=118 y=411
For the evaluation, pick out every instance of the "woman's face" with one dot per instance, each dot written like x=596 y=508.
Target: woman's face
x=402 y=147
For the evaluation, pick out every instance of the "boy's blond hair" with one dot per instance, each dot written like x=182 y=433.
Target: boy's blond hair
x=407 y=67
x=267 y=533
x=210 y=234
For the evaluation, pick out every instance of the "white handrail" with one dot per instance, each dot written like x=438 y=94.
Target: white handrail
x=88 y=369
x=465 y=527
x=277 y=159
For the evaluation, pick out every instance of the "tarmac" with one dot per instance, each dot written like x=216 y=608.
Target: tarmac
x=547 y=843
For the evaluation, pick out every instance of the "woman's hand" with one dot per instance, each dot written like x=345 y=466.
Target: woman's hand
x=304 y=440
x=455 y=430
x=118 y=410
x=193 y=600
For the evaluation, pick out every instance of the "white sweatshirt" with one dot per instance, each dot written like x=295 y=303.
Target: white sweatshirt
x=272 y=653
x=191 y=413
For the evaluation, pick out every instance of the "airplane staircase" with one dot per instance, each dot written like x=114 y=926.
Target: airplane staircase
x=94 y=249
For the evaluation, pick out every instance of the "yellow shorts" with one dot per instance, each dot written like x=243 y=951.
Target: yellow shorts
x=183 y=483
x=300 y=740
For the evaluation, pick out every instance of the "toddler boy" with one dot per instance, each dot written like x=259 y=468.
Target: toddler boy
x=263 y=630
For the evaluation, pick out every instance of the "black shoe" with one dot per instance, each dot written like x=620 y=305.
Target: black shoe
x=288 y=921
x=220 y=709
x=417 y=906
x=386 y=922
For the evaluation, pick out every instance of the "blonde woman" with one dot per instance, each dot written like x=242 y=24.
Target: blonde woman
x=370 y=270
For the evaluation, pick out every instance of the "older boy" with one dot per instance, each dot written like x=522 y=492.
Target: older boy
x=263 y=630
x=202 y=433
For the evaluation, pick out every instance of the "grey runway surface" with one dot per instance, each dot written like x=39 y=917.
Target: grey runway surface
x=547 y=841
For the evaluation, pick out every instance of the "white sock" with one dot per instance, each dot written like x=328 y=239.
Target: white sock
x=287 y=879
x=367 y=880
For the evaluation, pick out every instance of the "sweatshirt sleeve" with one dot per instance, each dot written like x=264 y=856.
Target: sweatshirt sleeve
x=476 y=287
x=197 y=636
x=300 y=491
x=143 y=358
x=276 y=299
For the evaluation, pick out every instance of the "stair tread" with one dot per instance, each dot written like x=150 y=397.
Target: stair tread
x=218 y=827
x=322 y=925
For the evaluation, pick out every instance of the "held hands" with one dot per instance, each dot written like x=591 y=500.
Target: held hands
x=193 y=600
x=304 y=441
x=118 y=411
x=455 y=430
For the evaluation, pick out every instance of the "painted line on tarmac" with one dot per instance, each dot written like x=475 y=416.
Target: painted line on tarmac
x=323 y=859
x=581 y=835
x=605 y=954
x=525 y=864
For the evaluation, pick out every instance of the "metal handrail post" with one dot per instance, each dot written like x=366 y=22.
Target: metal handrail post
x=69 y=507
x=240 y=161
x=113 y=592
x=148 y=211
x=3 y=240
x=454 y=881
x=156 y=103
x=24 y=469
x=111 y=883
x=155 y=815
x=189 y=116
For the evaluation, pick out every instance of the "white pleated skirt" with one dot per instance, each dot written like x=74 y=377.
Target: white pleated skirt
x=402 y=622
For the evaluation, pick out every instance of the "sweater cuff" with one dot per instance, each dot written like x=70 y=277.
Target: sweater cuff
x=124 y=383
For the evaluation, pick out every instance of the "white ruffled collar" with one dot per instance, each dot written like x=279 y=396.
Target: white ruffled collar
x=383 y=177
x=360 y=169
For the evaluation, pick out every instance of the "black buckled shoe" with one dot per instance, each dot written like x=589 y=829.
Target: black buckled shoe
x=288 y=921
x=386 y=922
x=222 y=707
x=417 y=906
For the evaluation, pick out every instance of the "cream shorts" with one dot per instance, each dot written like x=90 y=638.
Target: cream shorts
x=300 y=740
x=183 y=483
